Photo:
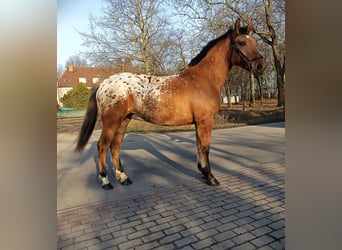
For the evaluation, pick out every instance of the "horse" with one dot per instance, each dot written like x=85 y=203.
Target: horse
x=193 y=96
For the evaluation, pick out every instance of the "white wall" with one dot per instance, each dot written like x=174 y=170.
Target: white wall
x=60 y=93
x=232 y=99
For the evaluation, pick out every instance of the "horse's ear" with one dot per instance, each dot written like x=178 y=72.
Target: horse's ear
x=237 y=27
x=250 y=28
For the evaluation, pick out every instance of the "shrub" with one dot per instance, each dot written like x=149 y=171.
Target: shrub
x=77 y=97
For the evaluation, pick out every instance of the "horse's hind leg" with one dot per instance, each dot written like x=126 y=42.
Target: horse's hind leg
x=115 y=148
x=111 y=121
x=102 y=148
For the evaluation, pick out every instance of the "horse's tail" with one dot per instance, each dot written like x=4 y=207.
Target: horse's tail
x=88 y=123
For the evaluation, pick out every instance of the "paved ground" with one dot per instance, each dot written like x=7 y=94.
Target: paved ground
x=168 y=206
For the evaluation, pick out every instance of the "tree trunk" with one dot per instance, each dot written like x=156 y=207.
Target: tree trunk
x=259 y=79
x=252 y=92
x=147 y=65
x=228 y=95
x=280 y=71
x=144 y=39
x=245 y=94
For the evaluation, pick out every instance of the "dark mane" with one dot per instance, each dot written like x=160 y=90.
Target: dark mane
x=212 y=43
x=206 y=48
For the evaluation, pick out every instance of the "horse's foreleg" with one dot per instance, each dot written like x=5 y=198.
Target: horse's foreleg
x=102 y=147
x=203 y=135
x=115 y=148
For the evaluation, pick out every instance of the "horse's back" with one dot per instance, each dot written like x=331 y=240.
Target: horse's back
x=164 y=100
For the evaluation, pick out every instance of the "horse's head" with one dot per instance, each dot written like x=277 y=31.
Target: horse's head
x=245 y=53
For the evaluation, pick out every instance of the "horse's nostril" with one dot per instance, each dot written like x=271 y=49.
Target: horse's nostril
x=259 y=68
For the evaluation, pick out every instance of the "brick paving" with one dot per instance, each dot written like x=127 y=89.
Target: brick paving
x=247 y=211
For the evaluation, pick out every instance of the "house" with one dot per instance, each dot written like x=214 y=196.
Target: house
x=91 y=76
x=233 y=99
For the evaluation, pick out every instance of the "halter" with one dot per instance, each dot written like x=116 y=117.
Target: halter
x=242 y=55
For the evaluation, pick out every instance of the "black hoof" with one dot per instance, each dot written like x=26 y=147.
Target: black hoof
x=107 y=186
x=212 y=182
x=126 y=182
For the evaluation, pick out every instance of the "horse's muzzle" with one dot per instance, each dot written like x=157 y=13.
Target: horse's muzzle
x=258 y=65
x=259 y=69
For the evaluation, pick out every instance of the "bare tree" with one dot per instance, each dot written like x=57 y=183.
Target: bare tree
x=74 y=60
x=273 y=22
x=130 y=29
x=239 y=82
x=180 y=47
x=212 y=16
x=60 y=70
x=77 y=61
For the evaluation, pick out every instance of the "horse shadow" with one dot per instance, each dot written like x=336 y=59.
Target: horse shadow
x=152 y=158
x=160 y=151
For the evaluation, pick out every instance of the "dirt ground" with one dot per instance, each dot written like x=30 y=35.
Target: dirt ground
x=267 y=104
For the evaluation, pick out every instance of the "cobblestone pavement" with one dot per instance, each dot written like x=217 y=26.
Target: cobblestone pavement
x=247 y=211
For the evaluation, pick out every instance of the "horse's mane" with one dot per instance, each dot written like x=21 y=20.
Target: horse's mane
x=212 y=43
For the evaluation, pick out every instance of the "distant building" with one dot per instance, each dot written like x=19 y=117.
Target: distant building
x=224 y=98
x=91 y=76
x=233 y=99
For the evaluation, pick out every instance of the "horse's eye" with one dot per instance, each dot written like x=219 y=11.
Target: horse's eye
x=242 y=43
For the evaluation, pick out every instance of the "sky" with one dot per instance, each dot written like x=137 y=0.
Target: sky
x=73 y=15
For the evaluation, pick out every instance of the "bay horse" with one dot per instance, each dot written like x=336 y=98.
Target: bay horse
x=190 y=97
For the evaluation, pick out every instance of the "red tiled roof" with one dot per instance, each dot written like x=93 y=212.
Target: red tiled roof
x=70 y=78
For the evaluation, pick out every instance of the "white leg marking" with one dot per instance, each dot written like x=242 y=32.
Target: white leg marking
x=202 y=162
x=121 y=176
x=105 y=180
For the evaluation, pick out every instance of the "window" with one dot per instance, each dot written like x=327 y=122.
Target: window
x=95 y=80
x=82 y=79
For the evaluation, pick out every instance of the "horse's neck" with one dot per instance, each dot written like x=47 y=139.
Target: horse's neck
x=216 y=63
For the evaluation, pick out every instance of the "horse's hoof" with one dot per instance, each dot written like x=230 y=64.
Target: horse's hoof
x=107 y=186
x=126 y=182
x=212 y=182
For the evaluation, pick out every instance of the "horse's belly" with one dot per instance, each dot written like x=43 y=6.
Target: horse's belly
x=164 y=115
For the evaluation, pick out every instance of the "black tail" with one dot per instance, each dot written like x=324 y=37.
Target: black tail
x=88 y=123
